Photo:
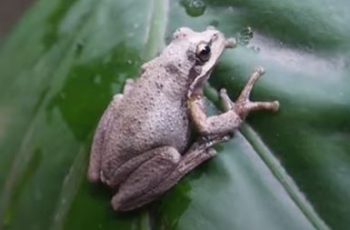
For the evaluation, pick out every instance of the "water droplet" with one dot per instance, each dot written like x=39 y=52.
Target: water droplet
x=244 y=36
x=194 y=8
x=129 y=62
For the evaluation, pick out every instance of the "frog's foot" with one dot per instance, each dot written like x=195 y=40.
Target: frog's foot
x=243 y=106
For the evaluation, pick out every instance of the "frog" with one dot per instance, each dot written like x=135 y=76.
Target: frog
x=143 y=144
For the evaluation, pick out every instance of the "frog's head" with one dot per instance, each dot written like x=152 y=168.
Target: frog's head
x=205 y=48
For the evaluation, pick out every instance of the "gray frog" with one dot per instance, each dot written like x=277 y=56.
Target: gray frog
x=142 y=145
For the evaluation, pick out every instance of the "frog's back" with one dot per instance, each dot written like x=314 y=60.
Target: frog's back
x=152 y=114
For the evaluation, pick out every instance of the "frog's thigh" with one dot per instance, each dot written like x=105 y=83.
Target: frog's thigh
x=133 y=192
x=98 y=141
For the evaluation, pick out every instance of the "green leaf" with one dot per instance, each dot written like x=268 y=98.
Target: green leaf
x=62 y=64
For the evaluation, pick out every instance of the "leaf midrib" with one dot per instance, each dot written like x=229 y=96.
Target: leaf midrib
x=282 y=177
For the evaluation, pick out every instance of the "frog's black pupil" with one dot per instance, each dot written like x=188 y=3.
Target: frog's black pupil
x=205 y=51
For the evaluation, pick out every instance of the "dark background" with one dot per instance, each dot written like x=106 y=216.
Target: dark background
x=10 y=12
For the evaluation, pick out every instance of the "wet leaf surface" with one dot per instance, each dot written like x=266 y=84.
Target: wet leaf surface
x=64 y=61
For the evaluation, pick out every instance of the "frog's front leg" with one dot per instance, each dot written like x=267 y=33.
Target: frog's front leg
x=235 y=113
x=243 y=105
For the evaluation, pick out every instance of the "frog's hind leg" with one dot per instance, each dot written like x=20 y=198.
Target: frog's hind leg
x=97 y=147
x=98 y=142
x=134 y=191
x=159 y=174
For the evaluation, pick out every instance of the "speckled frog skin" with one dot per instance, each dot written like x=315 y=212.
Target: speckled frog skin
x=142 y=147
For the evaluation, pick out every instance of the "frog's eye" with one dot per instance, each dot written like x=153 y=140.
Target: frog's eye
x=203 y=52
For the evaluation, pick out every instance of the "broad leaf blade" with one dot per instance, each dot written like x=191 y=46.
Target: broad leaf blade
x=63 y=63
